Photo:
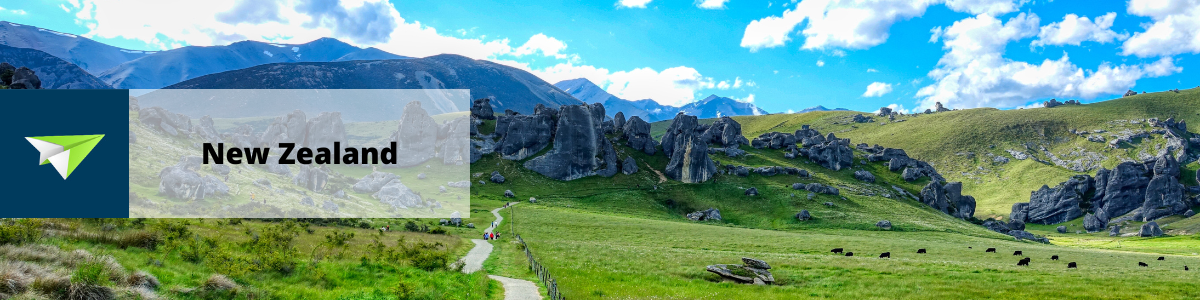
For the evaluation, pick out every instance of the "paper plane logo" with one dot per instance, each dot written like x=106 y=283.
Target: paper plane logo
x=64 y=152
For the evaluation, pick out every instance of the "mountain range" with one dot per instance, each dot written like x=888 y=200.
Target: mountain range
x=711 y=107
x=508 y=87
x=820 y=108
x=324 y=63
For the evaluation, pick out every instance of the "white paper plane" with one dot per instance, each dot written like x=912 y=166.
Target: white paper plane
x=64 y=152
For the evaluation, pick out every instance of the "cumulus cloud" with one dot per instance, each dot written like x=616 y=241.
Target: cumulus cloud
x=1073 y=30
x=712 y=4
x=973 y=72
x=820 y=63
x=854 y=24
x=1175 y=30
x=633 y=3
x=12 y=11
x=548 y=46
x=896 y=108
x=876 y=89
x=672 y=86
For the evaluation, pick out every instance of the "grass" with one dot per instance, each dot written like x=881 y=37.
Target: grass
x=657 y=259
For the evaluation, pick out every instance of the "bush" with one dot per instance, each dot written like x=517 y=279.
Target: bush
x=411 y=226
x=141 y=239
x=20 y=231
x=90 y=272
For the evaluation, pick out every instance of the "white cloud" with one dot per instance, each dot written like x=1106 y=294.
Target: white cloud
x=935 y=34
x=633 y=3
x=1073 y=30
x=13 y=11
x=973 y=72
x=548 y=46
x=896 y=108
x=64 y=8
x=855 y=24
x=1175 y=30
x=713 y=4
x=737 y=83
x=748 y=99
x=820 y=63
x=673 y=86
x=872 y=71
x=876 y=89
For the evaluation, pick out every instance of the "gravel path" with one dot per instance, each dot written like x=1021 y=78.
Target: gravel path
x=514 y=289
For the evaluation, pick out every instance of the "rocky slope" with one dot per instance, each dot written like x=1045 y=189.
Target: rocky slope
x=53 y=73
x=92 y=56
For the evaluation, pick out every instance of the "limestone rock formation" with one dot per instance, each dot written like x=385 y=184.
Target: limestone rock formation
x=398 y=195
x=580 y=147
x=415 y=137
x=726 y=132
x=835 y=154
x=711 y=214
x=1150 y=229
x=522 y=136
x=163 y=120
x=373 y=182
x=629 y=165
x=864 y=176
x=685 y=145
x=482 y=109
x=636 y=133
x=313 y=179
x=752 y=272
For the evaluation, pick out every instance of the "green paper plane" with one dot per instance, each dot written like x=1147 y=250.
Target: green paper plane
x=64 y=152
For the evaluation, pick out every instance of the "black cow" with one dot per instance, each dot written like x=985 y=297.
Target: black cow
x=836 y=250
x=1185 y=268
x=1023 y=262
x=886 y=255
x=1054 y=257
x=1142 y=264
x=1162 y=258
x=1018 y=252
x=921 y=251
x=849 y=253
x=990 y=250
x=1072 y=266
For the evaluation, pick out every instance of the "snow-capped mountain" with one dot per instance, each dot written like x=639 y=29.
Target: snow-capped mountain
x=92 y=56
x=820 y=108
x=651 y=111
x=716 y=106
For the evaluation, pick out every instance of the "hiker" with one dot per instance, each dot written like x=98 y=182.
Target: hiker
x=389 y=227
x=252 y=197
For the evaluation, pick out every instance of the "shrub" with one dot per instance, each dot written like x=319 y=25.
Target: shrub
x=411 y=226
x=20 y=231
x=90 y=272
x=141 y=239
x=437 y=230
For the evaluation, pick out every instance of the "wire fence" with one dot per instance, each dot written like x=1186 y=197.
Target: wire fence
x=548 y=281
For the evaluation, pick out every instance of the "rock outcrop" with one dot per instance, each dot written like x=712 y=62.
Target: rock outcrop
x=580 y=147
x=415 y=137
x=398 y=195
x=863 y=175
x=373 y=182
x=752 y=272
x=313 y=179
x=834 y=154
x=726 y=132
x=629 y=165
x=163 y=120
x=1150 y=229
x=482 y=109
x=711 y=214
x=636 y=133
x=522 y=136
x=686 y=147
x=25 y=79
x=1055 y=205
x=948 y=199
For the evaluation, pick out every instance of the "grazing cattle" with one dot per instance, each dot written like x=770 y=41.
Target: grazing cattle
x=849 y=253
x=969 y=247
x=1054 y=257
x=1162 y=258
x=1018 y=252
x=1023 y=262
x=1072 y=266
x=886 y=255
x=990 y=250
x=1185 y=268
x=921 y=251
x=1142 y=264
x=836 y=250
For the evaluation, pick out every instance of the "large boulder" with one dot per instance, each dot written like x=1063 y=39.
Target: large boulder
x=207 y=130
x=963 y=205
x=313 y=179
x=1059 y=204
x=181 y=183
x=835 y=154
x=751 y=192
x=221 y=169
x=685 y=145
x=711 y=214
x=637 y=135
x=398 y=195
x=619 y=122
x=325 y=129
x=163 y=120
x=629 y=165
x=773 y=140
x=292 y=128
x=482 y=109
x=934 y=195
x=1164 y=197
x=864 y=176
x=803 y=215
x=1151 y=229
x=1094 y=222
x=580 y=147
x=726 y=132
x=373 y=182
x=884 y=224
x=274 y=167
x=1025 y=235
x=522 y=136
x=415 y=137
x=24 y=78
x=496 y=177
x=1122 y=189
x=746 y=274
x=454 y=142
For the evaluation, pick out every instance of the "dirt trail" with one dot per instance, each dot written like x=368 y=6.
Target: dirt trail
x=661 y=178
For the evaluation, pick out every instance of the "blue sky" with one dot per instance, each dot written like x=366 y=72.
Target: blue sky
x=782 y=55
